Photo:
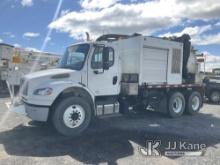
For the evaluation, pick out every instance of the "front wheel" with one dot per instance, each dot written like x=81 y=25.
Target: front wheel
x=72 y=116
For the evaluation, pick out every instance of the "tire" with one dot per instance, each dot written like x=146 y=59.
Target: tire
x=176 y=105
x=194 y=103
x=214 y=96
x=72 y=116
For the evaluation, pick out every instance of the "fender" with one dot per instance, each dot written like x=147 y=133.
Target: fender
x=70 y=87
x=58 y=88
x=79 y=90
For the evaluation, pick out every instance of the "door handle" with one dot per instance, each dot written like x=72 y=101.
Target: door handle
x=115 y=79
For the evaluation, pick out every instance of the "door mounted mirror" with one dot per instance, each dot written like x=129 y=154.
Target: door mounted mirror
x=106 y=58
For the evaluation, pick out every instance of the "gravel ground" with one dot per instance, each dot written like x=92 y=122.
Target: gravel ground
x=114 y=140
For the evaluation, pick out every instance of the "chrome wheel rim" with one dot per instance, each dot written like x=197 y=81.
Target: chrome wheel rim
x=74 y=116
x=177 y=105
x=195 y=103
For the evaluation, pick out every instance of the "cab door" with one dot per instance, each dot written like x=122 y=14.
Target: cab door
x=102 y=81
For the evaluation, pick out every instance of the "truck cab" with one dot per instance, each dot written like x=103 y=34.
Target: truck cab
x=212 y=88
x=86 y=71
x=97 y=65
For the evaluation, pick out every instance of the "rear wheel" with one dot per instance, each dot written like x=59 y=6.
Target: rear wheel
x=194 y=103
x=176 y=105
x=72 y=116
x=215 y=96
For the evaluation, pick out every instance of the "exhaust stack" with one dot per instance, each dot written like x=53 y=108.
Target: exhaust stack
x=88 y=36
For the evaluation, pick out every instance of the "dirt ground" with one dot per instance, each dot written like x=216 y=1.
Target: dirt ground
x=114 y=140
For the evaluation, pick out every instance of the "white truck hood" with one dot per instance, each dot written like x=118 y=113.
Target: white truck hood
x=57 y=79
x=49 y=72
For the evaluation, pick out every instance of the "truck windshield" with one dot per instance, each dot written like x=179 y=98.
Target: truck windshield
x=74 y=57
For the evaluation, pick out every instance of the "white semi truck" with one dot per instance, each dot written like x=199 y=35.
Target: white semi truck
x=111 y=75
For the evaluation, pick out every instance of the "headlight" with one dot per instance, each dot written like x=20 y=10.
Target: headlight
x=43 y=91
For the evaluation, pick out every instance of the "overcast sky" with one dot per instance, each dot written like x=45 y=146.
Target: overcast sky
x=51 y=25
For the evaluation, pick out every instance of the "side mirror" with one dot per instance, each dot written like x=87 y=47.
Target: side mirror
x=106 y=58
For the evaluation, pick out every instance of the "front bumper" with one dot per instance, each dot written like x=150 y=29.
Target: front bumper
x=19 y=109
x=34 y=112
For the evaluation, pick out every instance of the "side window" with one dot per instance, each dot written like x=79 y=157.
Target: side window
x=97 y=57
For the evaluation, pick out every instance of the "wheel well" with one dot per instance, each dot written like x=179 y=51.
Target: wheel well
x=72 y=91
x=186 y=92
